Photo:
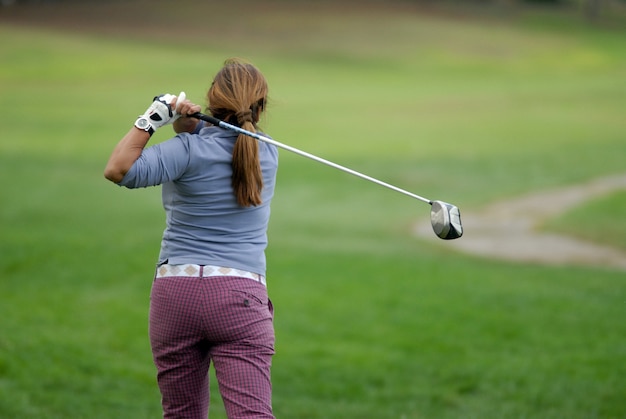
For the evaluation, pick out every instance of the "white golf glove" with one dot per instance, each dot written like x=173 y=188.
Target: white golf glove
x=160 y=112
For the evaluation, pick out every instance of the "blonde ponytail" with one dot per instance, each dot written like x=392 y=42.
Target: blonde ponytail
x=238 y=95
x=247 y=179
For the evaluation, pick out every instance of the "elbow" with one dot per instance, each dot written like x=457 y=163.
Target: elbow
x=113 y=174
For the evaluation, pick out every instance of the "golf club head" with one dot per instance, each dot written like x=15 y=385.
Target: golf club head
x=446 y=220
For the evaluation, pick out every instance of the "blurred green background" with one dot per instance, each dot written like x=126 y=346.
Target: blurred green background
x=468 y=102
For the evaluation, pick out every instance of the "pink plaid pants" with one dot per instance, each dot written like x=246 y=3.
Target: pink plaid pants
x=226 y=320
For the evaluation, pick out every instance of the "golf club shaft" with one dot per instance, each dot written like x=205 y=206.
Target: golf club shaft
x=235 y=128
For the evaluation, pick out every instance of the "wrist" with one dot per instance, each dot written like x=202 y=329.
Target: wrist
x=185 y=124
x=144 y=124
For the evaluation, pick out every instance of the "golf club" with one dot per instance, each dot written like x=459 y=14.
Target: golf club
x=445 y=218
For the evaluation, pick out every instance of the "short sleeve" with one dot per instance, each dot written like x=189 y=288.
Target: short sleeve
x=159 y=163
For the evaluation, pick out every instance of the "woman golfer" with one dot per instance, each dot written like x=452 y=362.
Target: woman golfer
x=209 y=300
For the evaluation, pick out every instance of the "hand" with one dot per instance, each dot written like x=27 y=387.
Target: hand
x=185 y=108
x=161 y=112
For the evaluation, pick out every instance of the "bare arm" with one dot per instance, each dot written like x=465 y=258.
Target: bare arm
x=185 y=124
x=125 y=153
x=128 y=150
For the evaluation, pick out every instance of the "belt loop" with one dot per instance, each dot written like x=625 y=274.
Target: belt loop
x=201 y=271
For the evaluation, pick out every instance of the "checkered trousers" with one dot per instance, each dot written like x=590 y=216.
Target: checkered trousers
x=224 y=320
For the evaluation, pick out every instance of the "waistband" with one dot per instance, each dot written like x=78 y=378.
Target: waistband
x=205 y=271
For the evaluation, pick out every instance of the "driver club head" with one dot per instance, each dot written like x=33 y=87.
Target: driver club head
x=446 y=220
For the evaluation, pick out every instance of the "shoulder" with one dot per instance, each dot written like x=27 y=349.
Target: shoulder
x=271 y=149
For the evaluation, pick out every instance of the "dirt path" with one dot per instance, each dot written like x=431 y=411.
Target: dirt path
x=507 y=230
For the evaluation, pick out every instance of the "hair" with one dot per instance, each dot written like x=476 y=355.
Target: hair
x=238 y=95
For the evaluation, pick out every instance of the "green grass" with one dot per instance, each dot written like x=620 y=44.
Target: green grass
x=600 y=220
x=371 y=322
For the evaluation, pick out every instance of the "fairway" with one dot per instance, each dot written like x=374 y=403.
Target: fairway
x=372 y=321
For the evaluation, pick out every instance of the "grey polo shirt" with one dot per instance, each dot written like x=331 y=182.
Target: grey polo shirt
x=204 y=223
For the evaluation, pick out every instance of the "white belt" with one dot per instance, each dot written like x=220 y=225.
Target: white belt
x=205 y=271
